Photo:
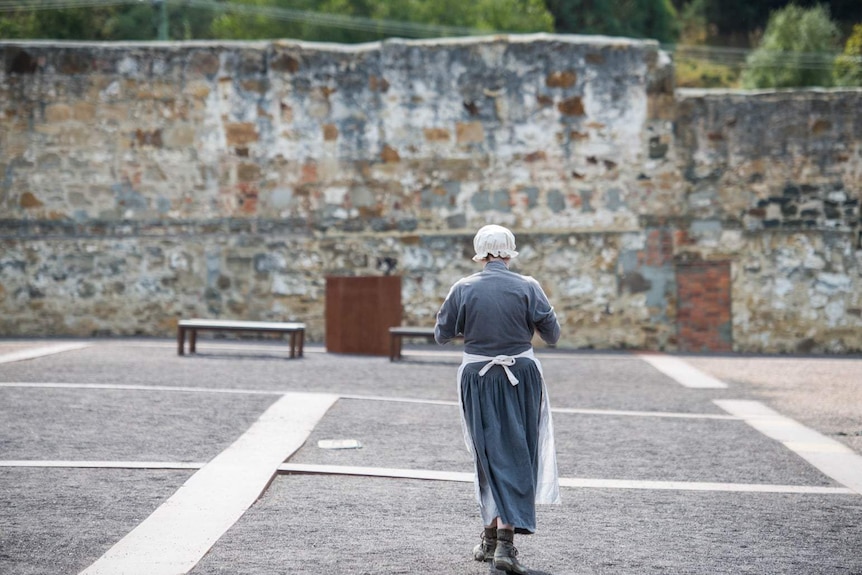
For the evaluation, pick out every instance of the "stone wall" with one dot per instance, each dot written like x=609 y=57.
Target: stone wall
x=148 y=182
x=774 y=181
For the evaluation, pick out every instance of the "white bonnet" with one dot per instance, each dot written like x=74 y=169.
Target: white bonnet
x=494 y=240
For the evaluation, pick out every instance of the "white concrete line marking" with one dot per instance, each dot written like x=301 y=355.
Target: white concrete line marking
x=219 y=344
x=40 y=351
x=116 y=387
x=681 y=371
x=306 y=468
x=829 y=456
x=216 y=345
x=544 y=357
x=178 y=534
x=454 y=476
x=107 y=386
x=70 y=464
x=668 y=414
x=574 y=410
x=400 y=399
x=301 y=468
x=702 y=486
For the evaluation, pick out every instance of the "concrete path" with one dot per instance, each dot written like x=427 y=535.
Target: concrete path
x=118 y=456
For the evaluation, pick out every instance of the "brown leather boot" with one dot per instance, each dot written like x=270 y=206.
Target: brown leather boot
x=505 y=555
x=484 y=551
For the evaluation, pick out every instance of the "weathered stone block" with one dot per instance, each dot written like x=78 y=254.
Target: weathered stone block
x=469 y=132
x=241 y=134
x=564 y=79
x=180 y=136
x=28 y=201
x=389 y=154
x=56 y=113
x=572 y=107
x=436 y=134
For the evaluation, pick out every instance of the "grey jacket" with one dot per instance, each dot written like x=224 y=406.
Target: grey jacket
x=497 y=311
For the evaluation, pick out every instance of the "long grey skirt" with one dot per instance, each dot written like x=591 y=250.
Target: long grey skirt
x=503 y=420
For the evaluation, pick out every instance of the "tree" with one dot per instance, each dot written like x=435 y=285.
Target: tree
x=350 y=21
x=480 y=15
x=694 y=26
x=344 y=21
x=67 y=24
x=740 y=18
x=134 y=21
x=848 y=66
x=512 y=15
x=18 y=25
x=796 y=50
x=244 y=23
x=633 y=18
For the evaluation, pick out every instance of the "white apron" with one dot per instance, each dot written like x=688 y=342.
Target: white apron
x=548 y=483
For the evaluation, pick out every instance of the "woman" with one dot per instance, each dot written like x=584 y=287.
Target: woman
x=504 y=403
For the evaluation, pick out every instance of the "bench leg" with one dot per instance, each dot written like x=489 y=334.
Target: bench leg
x=394 y=347
x=292 y=344
x=193 y=340
x=181 y=340
x=301 y=343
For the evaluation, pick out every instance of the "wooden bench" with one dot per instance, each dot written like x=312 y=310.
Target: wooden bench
x=396 y=334
x=193 y=326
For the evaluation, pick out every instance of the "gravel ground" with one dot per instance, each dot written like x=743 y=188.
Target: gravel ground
x=368 y=526
x=155 y=426
x=823 y=392
x=58 y=521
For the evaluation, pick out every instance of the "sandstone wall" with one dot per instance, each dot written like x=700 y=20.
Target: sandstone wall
x=148 y=182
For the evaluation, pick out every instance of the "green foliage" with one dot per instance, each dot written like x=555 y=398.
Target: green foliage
x=513 y=16
x=355 y=20
x=741 y=17
x=794 y=51
x=702 y=73
x=476 y=15
x=68 y=24
x=848 y=66
x=632 y=18
x=730 y=16
x=694 y=26
x=123 y=22
x=15 y=26
x=232 y=25
x=669 y=21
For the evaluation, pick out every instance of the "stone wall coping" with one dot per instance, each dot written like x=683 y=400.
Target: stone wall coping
x=574 y=39
x=683 y=93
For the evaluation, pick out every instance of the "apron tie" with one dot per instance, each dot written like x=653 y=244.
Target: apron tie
x=505 y=361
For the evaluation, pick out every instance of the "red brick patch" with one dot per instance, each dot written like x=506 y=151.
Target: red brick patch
x=704 y=306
